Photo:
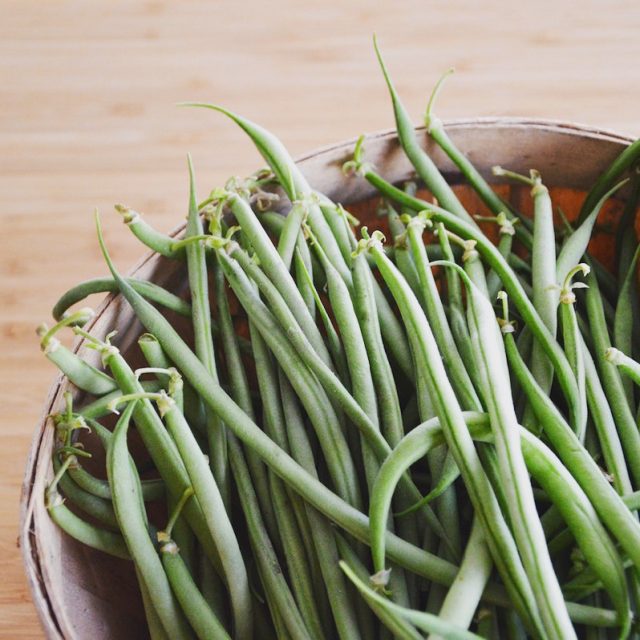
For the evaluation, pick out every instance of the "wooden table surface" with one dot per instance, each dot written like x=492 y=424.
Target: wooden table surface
x=87 y=118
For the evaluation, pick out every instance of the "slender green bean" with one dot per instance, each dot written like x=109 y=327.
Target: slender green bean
x=156 y=241
x=424 y=621
x=624 y=325
x=134 y=531
x=611 y=379
x=424 y=166
x=149 y=290
x=613 y=512
x=94 y=537
x=196 y=609
x=627 y=158
x=201 y=313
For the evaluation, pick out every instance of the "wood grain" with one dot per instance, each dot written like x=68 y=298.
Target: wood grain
x=87 y=118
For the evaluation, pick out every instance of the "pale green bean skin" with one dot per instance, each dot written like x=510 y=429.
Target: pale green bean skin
x=605 y=426
x=460 y=603
x=211 y=501
x=624 y=326
x=399 y=627
x=528 y=532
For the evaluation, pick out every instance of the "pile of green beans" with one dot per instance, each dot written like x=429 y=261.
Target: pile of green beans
x=360 y=439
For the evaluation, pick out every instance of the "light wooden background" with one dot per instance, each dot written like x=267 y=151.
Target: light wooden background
x=87 y=118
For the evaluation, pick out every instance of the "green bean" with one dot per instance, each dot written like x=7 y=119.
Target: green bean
x=161 y=447
x=613 y=512
x=458 y=324
x=448 y=475
x=296 y=337
x=512 y=471
x=134 y=531
x=156 y=630
x=94 y=537
x=424 y=166
x=611 y=380
x=152 y=490
x=199 y=614
x=626 y=241
x=81 y=373
x=181 y=533
x=322 y=534
x=290 y=536
x=92 y=505
x=367 y=312
x=573 y=343
x=102 y=406
x=269 y=567
x=398 y=626
x=605 y=425
x=242 y=395
x=543 y=280
x=305 y=485
x=149 y=290
x=461 y=601
x=211 y=501
x=505 y=243
x=498 y=206
x=401 y=254
x=424 y=621
x=156 y=241
x=294 y=183
x=304 y=270
x=333 y=340
x=155 y=356
x=201 y=312
x=626 y=159
x=576 y=244
x=544 y=466
x=335 y=216
x=448 y=410
x=624 y=363
x=624 y=326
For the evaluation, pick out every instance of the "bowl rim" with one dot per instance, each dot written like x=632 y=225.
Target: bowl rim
x=27 y=542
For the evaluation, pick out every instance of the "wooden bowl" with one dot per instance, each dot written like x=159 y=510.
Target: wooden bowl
x=80 y=593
